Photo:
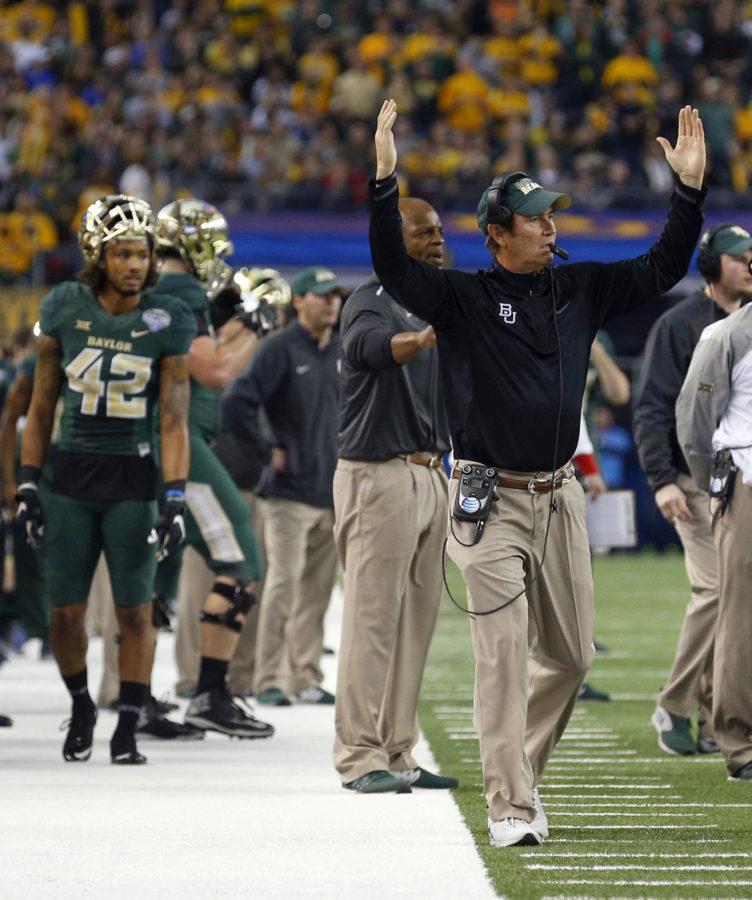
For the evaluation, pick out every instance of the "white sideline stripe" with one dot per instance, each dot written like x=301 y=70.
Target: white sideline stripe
x=633 y=697
x=623 y=797
x=566 y=754
x=643 y=855
x=632 y=868
x=605 y=778
x=627 y=805
x=631 y=827
x=550 y=785
x=641 y=760
x=580 y=744
x=618 y=839
x=724 y=883
x=631 y=815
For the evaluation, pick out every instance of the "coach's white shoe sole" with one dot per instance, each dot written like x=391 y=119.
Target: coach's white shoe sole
x=511 y=832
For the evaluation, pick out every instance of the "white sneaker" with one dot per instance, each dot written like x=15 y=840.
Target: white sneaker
x=512 y=832
x=540 y=822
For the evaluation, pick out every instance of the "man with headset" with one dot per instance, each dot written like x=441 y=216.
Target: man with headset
x=723 y=261
x=514 y=343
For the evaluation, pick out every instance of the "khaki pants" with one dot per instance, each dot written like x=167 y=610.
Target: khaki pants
x=196 y=579
x=302 y=565
x=732 y=671
x=692 y=672
x=390 y=524
x=522 y=705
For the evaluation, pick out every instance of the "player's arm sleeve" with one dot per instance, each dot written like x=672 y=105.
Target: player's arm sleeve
x=619 y=286
x=702 y=401
x=423 y=289
x=654 y=416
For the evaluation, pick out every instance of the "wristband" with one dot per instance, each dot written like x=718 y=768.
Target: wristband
x=175 y=491
x=29 y=475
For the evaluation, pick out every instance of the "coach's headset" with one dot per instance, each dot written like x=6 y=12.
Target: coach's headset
x=498 y=214
x=708 y=260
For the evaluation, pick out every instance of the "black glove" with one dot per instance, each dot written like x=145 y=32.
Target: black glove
x=29 y=514
x=262 y=320
x=169 y=529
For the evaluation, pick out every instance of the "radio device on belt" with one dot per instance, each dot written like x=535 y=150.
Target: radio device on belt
x=475 y=495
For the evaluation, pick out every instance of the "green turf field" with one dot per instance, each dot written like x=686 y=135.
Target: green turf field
x=626 y=819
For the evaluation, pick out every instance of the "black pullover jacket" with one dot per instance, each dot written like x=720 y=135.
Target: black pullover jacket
x=668 y=353
x=387 y=409
x=297 y=384
x=497 y=339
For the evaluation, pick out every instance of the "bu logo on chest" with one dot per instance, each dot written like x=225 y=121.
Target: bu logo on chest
x=507 y=313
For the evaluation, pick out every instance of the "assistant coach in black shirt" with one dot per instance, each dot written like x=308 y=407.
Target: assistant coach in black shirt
x=514 y=342
x=390 y=497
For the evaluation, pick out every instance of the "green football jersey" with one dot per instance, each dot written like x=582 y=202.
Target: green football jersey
x=203 y=416
x=111 y=366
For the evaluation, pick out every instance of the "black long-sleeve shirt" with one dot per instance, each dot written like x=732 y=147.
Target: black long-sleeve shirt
x=668 y=352
x=386 y=409
x=297 y=384
x=496 y=336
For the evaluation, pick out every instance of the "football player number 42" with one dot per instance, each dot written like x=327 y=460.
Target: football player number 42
x=84 y=373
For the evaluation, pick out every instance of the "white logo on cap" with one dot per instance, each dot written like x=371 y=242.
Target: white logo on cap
x=525 y=185
x=738 y=230
x=324 y=275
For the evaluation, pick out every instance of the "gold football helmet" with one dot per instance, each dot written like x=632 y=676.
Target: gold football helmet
x=262 y=293
x=199 y=233
x=114 y=217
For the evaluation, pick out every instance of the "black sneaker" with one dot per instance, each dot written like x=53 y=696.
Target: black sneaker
x=123 y=751
x=80 y=737
x=218 y=711
x=152 y=724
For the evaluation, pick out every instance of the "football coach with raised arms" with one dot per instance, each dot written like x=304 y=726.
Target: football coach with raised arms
x=514 y=342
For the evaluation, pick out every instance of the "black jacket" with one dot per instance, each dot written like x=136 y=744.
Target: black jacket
x=386 y=409
x=298 y=386
x=668 y=352
x=497 y=336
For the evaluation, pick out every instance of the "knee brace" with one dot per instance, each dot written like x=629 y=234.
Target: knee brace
x=240 y=602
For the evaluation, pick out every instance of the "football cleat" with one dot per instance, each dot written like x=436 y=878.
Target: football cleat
x=153 y=724
x=218 y=711
x=674 y=736
x=123 y=751
x=80 y=736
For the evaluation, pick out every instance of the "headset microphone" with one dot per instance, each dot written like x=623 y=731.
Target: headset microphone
x=557 y=251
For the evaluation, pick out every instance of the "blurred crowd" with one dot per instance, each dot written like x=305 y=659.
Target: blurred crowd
x=270 y=104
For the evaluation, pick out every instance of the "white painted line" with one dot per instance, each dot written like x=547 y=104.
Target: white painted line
x=610 y=855
x=566 y=754
x=625 y=803
x=642 y=760
x=580 y=744
x=632 y=815
x=640 y=697
x=618 y=839
x=643 y=826
x=597 y=867
x=575 y=881
x=608 y=785
x=603 y=777
x=622 y=797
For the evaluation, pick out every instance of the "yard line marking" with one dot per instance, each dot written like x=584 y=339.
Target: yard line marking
x=642 y=760
x=556 y=785
x=605 y=778
x=576 y=753
x=633 y=697
x=643 y=855
x=602 y=744
x=597 y=867
x=622 y=797
x=625 y=802
x=723 y=883
x=631 y=827
x=633 y=815
x=618 y=839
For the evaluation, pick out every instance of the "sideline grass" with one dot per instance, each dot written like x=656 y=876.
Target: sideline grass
x=640 y=603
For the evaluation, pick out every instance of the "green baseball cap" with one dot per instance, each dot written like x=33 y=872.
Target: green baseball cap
x=524 y=197
x=731 y=239
x=316 y=279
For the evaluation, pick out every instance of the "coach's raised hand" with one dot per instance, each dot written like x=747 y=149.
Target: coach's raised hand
x=687 y=158
x=386 y=152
